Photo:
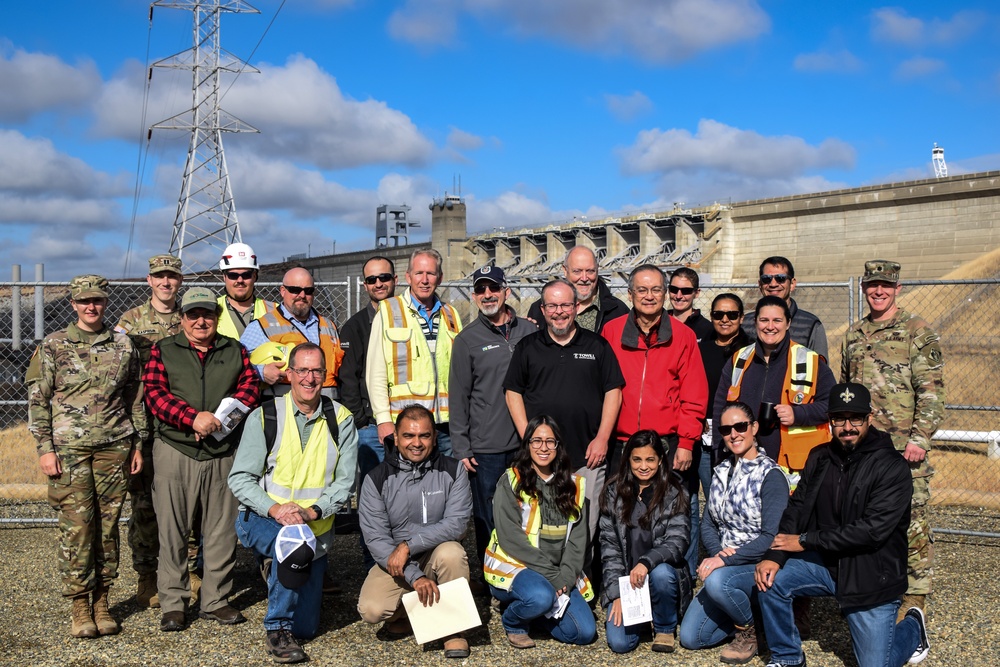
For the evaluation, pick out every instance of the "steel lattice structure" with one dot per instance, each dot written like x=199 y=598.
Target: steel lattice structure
x=206 y=211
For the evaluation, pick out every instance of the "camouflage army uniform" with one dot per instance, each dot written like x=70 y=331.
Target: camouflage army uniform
x=145 y=326
x=899 y=360
x=85 y=404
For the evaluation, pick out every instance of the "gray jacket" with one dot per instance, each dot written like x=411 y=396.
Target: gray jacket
x=480 y=355
x=424 y=504
x=805 y=329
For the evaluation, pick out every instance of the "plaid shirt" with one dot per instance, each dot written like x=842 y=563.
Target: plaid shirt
x=171 y=410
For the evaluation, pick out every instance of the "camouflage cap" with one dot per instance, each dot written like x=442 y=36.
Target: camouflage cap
x=164 y=264
x=850 y=397
x=881 y=269
x=88 y=287
x=199 y=297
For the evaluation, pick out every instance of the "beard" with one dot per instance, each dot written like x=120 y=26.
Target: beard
x=490 y=308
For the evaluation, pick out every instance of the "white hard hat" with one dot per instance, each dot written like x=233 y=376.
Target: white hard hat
x=238 y=256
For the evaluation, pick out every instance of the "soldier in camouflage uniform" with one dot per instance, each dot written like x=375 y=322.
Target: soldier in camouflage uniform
x=898 y=357
x=146 y=324
x=85 y=410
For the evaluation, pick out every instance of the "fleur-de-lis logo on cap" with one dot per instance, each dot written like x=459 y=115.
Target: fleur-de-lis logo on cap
x=847 y=396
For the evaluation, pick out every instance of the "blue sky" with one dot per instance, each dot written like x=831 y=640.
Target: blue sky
x=546 y=110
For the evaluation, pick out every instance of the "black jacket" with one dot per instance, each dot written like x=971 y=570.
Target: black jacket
x=869 y=547
x=611 y=307
x=354 y=337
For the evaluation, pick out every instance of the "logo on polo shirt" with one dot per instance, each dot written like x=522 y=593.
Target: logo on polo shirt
x=585 y=355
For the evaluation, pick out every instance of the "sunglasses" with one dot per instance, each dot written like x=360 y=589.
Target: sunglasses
x=741 y=427
x=780 y=278
x=295 y=289
x=686 y=291
x=239 y=275
x=719 y=315
x=481 y=287
x=382 y=277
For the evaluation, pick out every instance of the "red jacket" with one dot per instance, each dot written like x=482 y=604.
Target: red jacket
x=665 y=385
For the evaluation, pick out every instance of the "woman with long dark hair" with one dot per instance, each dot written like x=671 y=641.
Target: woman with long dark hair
x=747 y=498
x=534 y=561
x=644 y=534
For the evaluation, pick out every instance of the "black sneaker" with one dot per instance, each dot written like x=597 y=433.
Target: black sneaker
x=284 y=648
x=925 y=644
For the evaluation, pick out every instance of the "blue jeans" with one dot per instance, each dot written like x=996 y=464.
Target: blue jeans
x=663 y=597
x=489 y=469
x=877 y=639
x=531 y=596
x=721 y=605
x=295 y=609
x=371 y=452
x=691 y=555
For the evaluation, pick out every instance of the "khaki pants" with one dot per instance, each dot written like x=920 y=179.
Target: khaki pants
x=381 y=592
x=181 y=487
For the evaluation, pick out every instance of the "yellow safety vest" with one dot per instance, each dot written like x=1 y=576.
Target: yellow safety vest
x=280 y=330
x=298 y=474
x=500 y=568
x=415 y=374
x=227 y=327
x=801 y=378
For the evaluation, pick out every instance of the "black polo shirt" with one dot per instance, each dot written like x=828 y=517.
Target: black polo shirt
x=568 y=383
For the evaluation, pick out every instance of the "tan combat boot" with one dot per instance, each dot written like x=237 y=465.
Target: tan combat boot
x=910 y=600
x=146 y=594
x=195 y=588
x=743 y=647
x=102 y=617
x=83 y=620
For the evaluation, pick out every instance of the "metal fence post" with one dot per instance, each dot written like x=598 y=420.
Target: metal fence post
x=15 y=307
x=39 y=302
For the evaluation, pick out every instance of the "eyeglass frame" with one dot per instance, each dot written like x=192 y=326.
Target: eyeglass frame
x=379 y=277
x=731 y=315
x=239 y=275
x=739 y=427
x=861 y=419
x=297 y=289
x=304 y=372
x=780 y=278
x=536 y=443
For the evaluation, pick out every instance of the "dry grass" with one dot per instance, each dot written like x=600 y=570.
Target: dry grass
x=20 y=476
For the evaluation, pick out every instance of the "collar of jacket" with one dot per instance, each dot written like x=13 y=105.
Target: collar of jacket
x=181 y=340
x=76 y=334
x=511 y=319
x=630 y=332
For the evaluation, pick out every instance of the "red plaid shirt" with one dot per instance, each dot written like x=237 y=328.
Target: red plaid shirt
x=178 y=413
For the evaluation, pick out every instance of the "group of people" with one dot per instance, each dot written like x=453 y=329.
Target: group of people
x=575 y=438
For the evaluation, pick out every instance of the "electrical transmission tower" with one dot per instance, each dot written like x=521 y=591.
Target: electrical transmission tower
x=206 y=212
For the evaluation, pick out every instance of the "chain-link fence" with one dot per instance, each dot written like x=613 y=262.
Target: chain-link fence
x=967 y=446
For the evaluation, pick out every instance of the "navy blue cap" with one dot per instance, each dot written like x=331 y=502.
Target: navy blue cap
x=494 y=273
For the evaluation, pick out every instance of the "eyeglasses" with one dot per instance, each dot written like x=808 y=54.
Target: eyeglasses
x=556 y=307
x=382 y=277
x=719 y=315
x=780 y=278
x=855 y=421
x=238 y=275
x=643 y=291
x=303 y=372
x=295 y=289
x=741 y=427
x=481 y=287
x=686 y=291
x=543 y=443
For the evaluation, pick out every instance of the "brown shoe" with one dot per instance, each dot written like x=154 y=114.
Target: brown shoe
x=83 y=619
x=743 y=647
x=663 y=642
x=397 y=628
x=520 y=640
x=106 y=625
x=172 y=621
x=910 y=600
x=456 y=646
x=225 y=615
x=146 y=594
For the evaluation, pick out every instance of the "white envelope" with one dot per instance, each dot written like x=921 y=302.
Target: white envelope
x=454 y=612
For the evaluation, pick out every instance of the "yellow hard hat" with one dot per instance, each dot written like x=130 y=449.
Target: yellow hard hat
x=271 y=352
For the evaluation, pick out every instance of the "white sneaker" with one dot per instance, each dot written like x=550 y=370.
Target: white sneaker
x=924 y=646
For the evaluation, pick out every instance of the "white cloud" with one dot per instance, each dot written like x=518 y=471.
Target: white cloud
x=652 y=30
x=918 y=67
x=627 y=108
x=841 y=62
x=729 y=150
x=36 y=82
x=464 y=141
x=895 y=26
x=33 y=166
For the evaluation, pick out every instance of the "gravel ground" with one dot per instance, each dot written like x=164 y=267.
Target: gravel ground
x=963 y=613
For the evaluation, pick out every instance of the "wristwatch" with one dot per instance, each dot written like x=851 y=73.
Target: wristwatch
x=802 y=540
x=319 y=512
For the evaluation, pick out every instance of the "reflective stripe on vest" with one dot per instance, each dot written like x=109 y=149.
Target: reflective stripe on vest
x=415 y=374
x=801 y=377
x=280 y=330
x=297 y=474
x=227 y=327
x=500 y=568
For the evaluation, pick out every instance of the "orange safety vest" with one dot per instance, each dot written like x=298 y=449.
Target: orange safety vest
x=801 y=377
x=280 y=330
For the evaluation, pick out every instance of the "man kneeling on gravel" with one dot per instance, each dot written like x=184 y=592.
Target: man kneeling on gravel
x=414 y=508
